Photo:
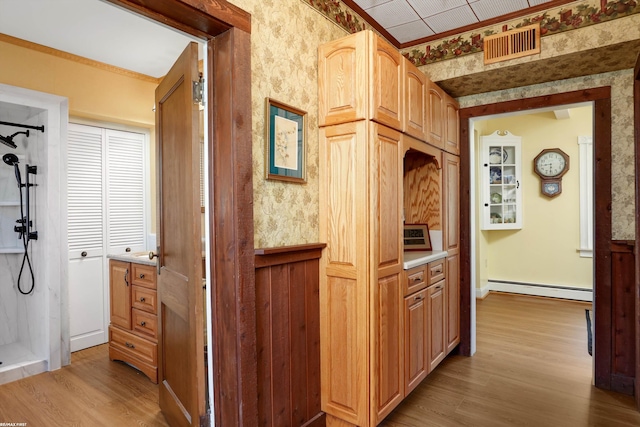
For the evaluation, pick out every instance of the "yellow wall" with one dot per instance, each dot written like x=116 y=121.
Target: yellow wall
x=93 y=93
x=545 y=250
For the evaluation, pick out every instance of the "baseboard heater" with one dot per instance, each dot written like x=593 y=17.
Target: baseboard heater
x=554 y=291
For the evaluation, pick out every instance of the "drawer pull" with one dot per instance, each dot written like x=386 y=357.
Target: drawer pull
x=143 y=323
x=126 y=275
x=439 y=287
x=129 y=345
x=417 y=298
x=417 y=279
x=142 y=299
x=141 y=276
x=438 y=269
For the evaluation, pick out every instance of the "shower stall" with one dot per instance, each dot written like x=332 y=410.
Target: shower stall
x=33 y=329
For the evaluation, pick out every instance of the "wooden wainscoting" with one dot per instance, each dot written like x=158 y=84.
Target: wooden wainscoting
x=288 y=335
x=623 y=331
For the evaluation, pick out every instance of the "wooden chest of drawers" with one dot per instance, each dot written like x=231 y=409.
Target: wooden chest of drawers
x=133 y=332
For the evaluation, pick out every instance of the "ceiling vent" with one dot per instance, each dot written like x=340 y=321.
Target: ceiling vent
x=512 y=44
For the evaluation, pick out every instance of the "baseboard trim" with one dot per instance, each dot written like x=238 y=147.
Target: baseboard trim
x=553 y=291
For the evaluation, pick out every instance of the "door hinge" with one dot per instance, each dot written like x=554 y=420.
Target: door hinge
x=198 y=91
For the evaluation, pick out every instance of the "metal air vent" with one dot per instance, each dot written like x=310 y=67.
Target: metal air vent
x=512 y=44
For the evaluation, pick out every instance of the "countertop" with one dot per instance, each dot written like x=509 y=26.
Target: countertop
x=137 y=257
x=416 y=258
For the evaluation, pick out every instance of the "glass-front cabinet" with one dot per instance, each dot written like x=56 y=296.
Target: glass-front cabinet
x=501 y=177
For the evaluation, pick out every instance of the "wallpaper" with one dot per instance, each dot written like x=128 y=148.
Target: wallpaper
x=285 y=35
x=579 y=14
x=623 y=173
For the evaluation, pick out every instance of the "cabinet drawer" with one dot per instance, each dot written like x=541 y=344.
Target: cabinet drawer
x=144 y=299
x=143 y=275
x=435 y=271
x=138 y=347
x=145 y=323
x=414 y=280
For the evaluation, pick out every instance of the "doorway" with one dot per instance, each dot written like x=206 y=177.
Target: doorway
x=601 y=98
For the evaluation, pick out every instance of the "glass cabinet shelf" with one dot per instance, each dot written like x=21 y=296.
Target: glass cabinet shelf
x=501 y=177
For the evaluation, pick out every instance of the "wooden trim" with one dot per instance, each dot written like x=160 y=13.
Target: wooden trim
x=76 y=58
x=602 y=250
x=227 y=31
x=636 y=127
x=266 y=257
x=623 y=329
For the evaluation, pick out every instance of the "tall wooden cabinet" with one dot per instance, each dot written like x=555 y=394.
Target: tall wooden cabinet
x=370 y=99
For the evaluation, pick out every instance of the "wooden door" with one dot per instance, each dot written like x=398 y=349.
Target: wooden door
x=452 y=125
x=636 y=104
x=180 y=330
x=453 y=301
x=415 y=101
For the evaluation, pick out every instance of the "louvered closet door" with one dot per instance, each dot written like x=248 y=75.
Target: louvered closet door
x=86 y=236
x=125 y=192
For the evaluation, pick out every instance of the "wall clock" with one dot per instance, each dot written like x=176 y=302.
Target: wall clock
x=551 y=165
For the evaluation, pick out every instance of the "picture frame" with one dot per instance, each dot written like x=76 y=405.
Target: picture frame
x=416 y=237
x=286 y=138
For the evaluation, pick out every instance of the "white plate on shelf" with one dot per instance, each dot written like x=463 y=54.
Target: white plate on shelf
x=496 y=154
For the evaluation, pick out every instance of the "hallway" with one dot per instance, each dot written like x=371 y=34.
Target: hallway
x=531 y=368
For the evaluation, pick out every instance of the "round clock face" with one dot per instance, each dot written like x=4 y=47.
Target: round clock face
x=551 y=164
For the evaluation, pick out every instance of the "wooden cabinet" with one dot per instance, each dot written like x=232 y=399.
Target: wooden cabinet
x=416 y=316
x=376 y=337
x=453 y=301
x=361 y=271
x=437 y=118
x=133 y=333
x=436 y=325
x=452 y=129
x=360 y=76
x=415 y=107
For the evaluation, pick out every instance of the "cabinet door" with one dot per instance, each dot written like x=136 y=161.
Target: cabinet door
x=386 y=96
x=415 y=101
x=387 y=347
x=436 y=116
x=453 y=301
x=120 y=293
x=451 y=203
x=452 y=122
x=416 y=340
x=437 y=333
x=501 y=178
x=342 y=80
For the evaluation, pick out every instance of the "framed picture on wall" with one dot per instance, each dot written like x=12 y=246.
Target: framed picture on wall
x=416 y=237
x=286 y=135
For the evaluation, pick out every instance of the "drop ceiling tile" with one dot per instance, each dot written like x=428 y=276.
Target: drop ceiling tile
x=368 y=4
x=537 y=2
x=431 y=7
x=450 y=19
x=393 y=13
x=487 y=9
x=410 y=31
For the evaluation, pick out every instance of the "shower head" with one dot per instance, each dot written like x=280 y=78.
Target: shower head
x=8 y=140
x=10 y=159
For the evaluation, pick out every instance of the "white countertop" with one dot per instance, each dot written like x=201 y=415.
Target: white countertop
x=416 y=258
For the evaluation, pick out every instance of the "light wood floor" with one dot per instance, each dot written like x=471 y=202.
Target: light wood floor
x=92 y=391
x=531 y=368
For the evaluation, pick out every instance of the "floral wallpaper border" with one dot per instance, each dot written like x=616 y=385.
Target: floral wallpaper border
x=339 y=13
x=553 y=21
